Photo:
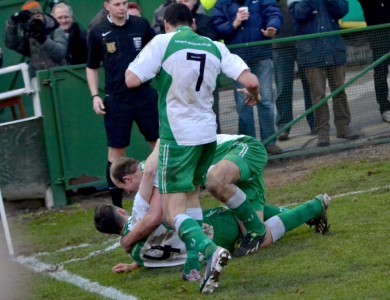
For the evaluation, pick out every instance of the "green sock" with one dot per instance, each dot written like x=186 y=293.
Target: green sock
x=192 y=261
x=301 y=214
x=194 y=238
x=271 y=210
x=247 y=215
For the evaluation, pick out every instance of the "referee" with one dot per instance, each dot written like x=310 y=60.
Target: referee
x=116 y=42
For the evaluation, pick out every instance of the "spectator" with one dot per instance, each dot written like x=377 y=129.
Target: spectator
x=237 y=24
x=158 y=17
x=121 y=106
x=378 y=12
x=284 y=56
x=158 y=20
x=133 y=9
x=324 y=58
x=77 y=51
x=204 y=26
x=40 y=39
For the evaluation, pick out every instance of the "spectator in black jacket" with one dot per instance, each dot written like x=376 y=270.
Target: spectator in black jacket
x=378 y=12
x=77 y=51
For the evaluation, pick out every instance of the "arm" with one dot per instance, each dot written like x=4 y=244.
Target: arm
x=14 y=41
x=301 y=10
x=252 y=87
x=273 y=18
x=56 y=47
x=147 y=186
x=93 y=84
x=223 y=24
x=132 y=80
x=147 y=225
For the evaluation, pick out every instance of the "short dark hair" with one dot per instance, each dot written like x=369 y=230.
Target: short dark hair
x=178 y=14
x=107 y=220
x=123 y=166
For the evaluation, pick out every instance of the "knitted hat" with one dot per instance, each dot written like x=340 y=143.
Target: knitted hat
x=33 y=6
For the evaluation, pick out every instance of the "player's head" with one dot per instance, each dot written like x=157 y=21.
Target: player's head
x=125 y=174
x=110 y=219
x=177 y=14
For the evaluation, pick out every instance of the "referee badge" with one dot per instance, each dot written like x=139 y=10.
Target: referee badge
x=111 y=48
x=137 y=42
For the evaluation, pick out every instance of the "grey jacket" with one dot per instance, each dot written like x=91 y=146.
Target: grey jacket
x=42 y=56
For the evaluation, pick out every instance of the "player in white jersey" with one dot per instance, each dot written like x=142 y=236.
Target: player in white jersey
x=250 y=157
x=187 y=66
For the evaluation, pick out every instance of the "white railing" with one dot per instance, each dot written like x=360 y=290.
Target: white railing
x=29 y=86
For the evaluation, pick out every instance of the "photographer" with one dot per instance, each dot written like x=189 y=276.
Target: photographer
x=36 y=35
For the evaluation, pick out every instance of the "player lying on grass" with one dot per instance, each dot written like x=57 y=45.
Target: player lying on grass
x=163 y=248
x=132 y=175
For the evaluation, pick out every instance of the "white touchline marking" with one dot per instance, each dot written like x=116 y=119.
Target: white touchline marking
x=92 y=254
x=58 y=272
x=62 y=275
x=349 y=194
x=361 y=192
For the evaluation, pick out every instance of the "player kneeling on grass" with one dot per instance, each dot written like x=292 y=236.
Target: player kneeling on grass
x=134 y=176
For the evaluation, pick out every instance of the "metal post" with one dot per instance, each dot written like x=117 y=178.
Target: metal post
x=5 y=226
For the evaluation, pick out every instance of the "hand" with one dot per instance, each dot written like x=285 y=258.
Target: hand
x=21 y=17
x=269 y=32
x=251 y=99
x=37 y=30
x=123 y=268
x=240 y=17
x=98 y=106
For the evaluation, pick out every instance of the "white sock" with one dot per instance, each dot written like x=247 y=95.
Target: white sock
x=276 y=227
x=238 y=198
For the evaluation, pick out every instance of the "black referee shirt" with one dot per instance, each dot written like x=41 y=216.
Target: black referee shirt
x=117 y=46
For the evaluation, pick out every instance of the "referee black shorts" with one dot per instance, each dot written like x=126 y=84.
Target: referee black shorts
x=139 y=105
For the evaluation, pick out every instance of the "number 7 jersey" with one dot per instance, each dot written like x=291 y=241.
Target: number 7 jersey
x=186 y=66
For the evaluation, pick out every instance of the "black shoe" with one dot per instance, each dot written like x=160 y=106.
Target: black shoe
x=273 y=150
x=249 y=244
x=348 y=134
x=283 y=136
x=321 y=223
x=323 y=140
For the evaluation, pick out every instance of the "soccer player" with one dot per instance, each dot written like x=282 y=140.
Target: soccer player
x=187 y=66
x=162 y=247
x=132 y=175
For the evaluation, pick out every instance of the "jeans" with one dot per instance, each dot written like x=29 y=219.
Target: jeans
x=284 y=58
x=265 y=110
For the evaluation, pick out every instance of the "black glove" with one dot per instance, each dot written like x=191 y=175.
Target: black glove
x=21 y=17
x=37 y=30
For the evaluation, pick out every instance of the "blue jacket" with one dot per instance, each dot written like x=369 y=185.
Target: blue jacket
x=317 y=16
x=263 y=14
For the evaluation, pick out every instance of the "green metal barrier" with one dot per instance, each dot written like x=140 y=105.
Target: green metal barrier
x=74 y=135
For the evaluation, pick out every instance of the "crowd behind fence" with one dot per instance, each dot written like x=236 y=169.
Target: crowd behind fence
x=359 y=86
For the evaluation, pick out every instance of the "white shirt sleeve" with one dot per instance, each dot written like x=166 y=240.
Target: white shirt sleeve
x=148 y=62
x=231 y=65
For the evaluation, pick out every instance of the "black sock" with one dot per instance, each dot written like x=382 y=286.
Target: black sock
x=116 y=193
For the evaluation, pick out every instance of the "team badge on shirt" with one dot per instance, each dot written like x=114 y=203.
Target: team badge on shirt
x=111 y=47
